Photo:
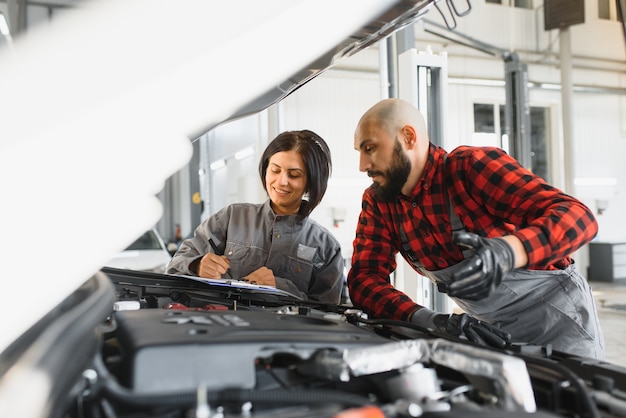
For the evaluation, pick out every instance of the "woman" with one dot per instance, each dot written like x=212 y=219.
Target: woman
x=274 y=243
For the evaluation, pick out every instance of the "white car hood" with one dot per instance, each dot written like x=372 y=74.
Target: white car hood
x=113 y=91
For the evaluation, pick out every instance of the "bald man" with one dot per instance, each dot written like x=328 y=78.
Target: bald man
x=492 y=235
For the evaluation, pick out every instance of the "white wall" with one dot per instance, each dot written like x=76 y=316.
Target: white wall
x=601 y=145
x=239 y=180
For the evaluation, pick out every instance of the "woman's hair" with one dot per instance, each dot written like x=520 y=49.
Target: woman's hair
x=317 y=162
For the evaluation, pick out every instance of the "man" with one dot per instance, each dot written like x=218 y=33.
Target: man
x=491 y=234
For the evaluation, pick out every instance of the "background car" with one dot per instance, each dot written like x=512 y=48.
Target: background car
x=147 y=253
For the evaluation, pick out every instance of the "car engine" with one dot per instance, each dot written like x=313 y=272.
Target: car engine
x=179 y=348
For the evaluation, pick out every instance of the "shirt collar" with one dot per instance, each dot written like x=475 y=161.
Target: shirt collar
x=433 y=161
x=293 y=220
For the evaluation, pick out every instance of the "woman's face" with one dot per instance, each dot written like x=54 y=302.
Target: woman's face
x=285 y=181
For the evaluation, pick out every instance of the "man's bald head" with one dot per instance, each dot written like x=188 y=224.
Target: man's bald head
x=391 y=115
x=393 y=146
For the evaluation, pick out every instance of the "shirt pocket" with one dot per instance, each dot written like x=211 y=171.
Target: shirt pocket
x=244 y=259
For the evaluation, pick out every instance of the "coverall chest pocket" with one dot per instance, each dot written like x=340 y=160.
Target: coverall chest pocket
x=244 y=259
x=301 y=265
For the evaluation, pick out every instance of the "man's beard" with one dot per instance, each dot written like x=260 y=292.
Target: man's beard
x=396 y=175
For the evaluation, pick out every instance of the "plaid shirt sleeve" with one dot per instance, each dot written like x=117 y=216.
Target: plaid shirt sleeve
x=500 y=194
x=373 y=260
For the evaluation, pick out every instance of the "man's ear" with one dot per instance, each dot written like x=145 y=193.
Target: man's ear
x=410 y=136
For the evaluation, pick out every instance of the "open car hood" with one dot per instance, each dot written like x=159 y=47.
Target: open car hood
x=99 y=106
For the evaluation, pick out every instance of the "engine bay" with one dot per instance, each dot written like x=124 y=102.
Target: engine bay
x=173 y=348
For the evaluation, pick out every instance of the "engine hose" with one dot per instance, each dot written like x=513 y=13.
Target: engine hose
x=119 y=394
x=290 y=396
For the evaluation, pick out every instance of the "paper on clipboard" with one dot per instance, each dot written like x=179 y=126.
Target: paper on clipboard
x=238 y=284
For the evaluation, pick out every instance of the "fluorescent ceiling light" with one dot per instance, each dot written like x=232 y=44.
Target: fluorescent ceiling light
x=246 y=152
x=549 y=86
x=217 y=164
x=595 y=181
x=4 y=29
x=4 y=26
x=476 y=82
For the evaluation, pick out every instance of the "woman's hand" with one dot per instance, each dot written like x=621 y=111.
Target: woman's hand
x=212 y=266
x=262 y=276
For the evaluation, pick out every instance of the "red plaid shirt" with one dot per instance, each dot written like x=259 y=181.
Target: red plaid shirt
x=492 y=194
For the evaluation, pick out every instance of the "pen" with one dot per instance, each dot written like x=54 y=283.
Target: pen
x=215 y=250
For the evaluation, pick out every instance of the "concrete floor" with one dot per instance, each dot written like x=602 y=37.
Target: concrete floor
x=610 y=299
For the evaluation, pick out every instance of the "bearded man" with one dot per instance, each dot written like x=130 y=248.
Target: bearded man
x=488 y=232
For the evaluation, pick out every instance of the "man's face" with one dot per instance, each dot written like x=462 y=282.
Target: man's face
x=383 y=159
x=394 y=176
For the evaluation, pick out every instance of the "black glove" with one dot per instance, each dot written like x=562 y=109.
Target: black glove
x=475 y=330
x=480 y=274
x=462 y=326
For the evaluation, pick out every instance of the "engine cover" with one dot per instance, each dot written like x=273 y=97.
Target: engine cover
x=169 y=350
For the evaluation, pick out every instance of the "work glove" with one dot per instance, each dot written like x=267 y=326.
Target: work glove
x=480 y=274
x=462 y=326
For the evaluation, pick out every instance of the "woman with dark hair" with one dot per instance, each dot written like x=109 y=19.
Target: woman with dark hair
x=274 y=243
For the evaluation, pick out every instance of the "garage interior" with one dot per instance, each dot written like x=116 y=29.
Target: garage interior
x=570 y=73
